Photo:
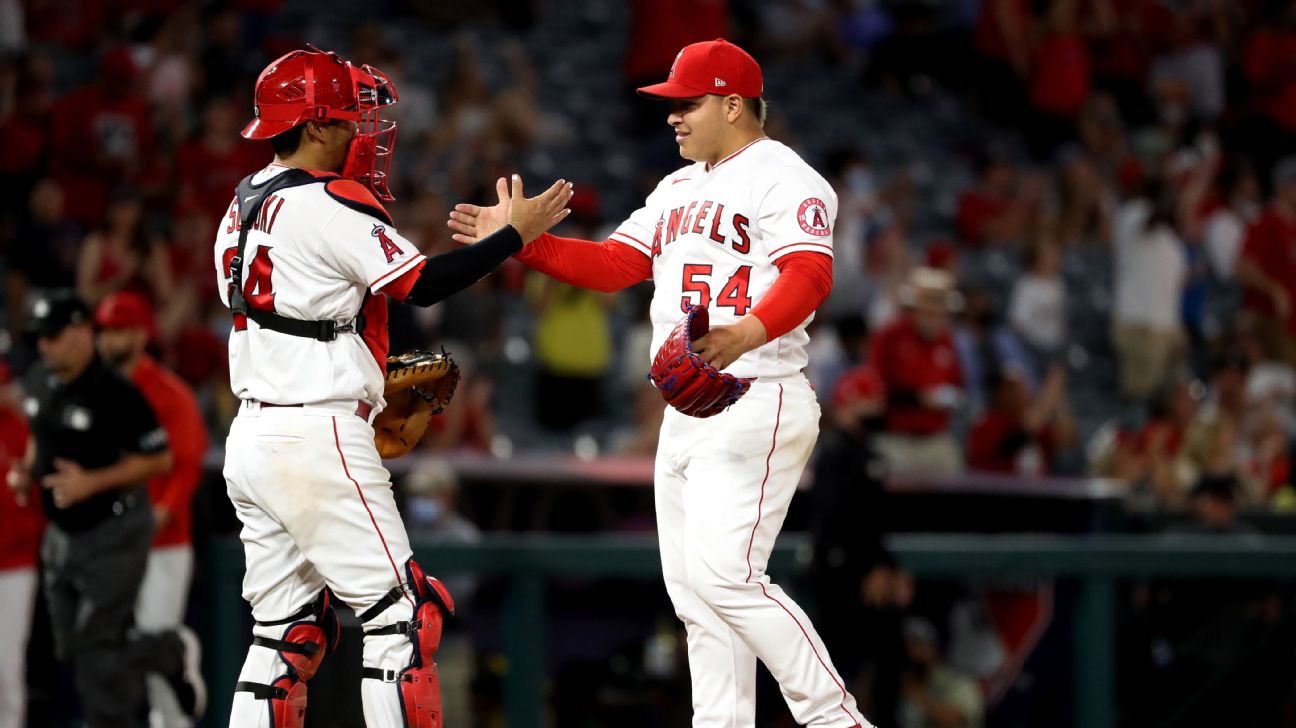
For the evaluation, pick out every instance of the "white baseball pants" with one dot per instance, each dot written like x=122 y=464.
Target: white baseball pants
x=723 y=486
x=163 y=596
x=317 y=508
x=17 y=600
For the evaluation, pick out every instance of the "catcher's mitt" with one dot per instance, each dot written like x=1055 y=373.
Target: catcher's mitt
x=687 y=383
x=419 y=384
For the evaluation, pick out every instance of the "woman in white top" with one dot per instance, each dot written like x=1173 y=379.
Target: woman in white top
x=1150 y=272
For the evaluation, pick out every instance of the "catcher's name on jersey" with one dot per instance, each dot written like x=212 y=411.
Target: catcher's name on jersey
x=315 y=252
x=715 y=233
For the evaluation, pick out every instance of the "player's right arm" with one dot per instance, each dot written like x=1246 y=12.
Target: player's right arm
x=424 y=282
x=611 y=265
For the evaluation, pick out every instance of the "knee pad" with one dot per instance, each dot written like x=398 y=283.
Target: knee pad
x=417 y=684
x=301 y=648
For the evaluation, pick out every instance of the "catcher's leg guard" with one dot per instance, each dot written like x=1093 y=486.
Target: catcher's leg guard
x=311 y=633
x=417 y=684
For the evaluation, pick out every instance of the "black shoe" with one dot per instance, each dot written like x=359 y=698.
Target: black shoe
x=187 y=681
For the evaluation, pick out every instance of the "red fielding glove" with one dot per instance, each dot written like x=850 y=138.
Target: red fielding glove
x=686 y=382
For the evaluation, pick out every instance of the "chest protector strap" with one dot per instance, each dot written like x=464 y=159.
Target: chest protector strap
x=251 y=198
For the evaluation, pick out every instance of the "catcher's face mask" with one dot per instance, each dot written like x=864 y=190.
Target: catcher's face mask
x=314 y=85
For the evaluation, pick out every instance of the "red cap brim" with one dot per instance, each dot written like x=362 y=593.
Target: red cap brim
x=262 y=129
x=671 y=90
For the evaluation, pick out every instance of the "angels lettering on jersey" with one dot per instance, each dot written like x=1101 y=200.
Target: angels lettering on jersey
x=715 y=235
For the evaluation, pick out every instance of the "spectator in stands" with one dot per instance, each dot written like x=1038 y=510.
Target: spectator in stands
x=1267 y=268
x=1187 y=77
x=1269 y=62
x=209 y=166
x=997 y=210
x=19 y=544
x=1233 y=207
x=917 y=361
x=573 y=339
x=1216 y=439
x=640 y=438
x=101 y=137
x=122 y=255
x=1214 y=508
x=43 y=255
x=1060 y=78
x=26 y=95
x=1153 y=460
x=861 y=589
x=1084 y=199
x=431 y=513
x=1021 y=434
x=469 y=425
x=1268 y=468
x=934 y=695
x=986 y=346
x=1038 y=308
x=1150 y=272
x=1003 y=42
x=888 y=266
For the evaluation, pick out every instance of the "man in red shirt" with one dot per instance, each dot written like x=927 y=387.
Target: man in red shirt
x=1267 y=267
x=916 y=358
x=1018 y=434
x=125 y=324
x=101 y=136
x=19 y=543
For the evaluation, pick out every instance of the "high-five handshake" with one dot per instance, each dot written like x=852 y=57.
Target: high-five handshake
x=530 y=216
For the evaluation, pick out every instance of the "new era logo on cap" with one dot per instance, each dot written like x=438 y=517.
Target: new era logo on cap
x=702 y=68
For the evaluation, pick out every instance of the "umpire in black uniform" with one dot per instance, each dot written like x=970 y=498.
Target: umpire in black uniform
x=95 y=442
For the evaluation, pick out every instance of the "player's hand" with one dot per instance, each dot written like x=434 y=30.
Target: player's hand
x=19 y=481
x=724 y=344
x=531 y=217
x=161 y=517
x=70 y=483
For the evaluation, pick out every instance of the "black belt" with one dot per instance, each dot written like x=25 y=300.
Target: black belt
x=363 y=409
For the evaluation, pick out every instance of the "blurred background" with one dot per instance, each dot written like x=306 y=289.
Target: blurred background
x=1087 y=208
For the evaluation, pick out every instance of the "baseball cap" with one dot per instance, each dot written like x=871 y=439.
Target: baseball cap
x=55 y=311
x=124 y=310
x=711 y=67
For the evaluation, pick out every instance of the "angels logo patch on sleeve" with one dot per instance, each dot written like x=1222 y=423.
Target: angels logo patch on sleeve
x=813 y=217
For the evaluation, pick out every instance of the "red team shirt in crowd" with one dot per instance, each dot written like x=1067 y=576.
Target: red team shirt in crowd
x=303 y=253
x=1271 y=245
x=20 y=527
x=177 y=411
x=908 y=365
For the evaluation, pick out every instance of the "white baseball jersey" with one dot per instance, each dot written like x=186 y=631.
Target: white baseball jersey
x=714 y=233
x=313 y=254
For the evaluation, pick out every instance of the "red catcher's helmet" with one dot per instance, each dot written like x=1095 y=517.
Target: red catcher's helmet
x=315 y=85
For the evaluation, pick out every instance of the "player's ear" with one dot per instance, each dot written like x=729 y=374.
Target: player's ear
x=733 y=107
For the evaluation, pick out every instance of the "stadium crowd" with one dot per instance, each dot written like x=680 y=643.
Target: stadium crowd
x=1066 y=242
x=1091 y=276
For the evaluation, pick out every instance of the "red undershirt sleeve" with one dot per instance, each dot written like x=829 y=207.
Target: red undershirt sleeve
x=804 y=281
x=607 y=266
x=399 y=289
